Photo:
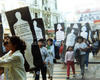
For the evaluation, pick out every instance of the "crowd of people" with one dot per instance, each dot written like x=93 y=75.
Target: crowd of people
x=80 y=53
x=12 y=63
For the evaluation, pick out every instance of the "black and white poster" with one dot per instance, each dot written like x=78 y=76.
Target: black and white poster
x=85 y=31
x=20 y=23
x=72 y=32
x=59 y=31
x=39 y=28
x=75 y=30
x=1 y=37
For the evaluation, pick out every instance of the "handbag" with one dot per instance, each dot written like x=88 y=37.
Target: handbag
x=77 y=55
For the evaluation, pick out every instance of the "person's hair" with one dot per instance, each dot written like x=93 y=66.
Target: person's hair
x=5 y=43
x=79 y=37
x=20 y=44
x=5 y=40
x=42 y=41
x=6 y=37
x=51 y=40
x=70 y=47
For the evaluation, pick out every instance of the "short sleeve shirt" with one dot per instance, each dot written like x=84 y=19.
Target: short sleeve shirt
x=82 y=45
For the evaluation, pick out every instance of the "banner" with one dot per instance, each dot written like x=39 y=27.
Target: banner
x=59 y=31
x=1 y=37
x=20 y=23
x=75 y=30
x=39 y=28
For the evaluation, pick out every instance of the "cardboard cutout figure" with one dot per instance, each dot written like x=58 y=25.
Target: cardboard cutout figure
x=59 y=34
x=70 y=41
x=75 y=25
x=38 y=31
x=84 y=34
x=22 y=29
x=39 y=28
x=21 y=24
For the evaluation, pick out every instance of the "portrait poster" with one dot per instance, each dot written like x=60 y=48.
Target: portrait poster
x=71 y=34
x=85 y=31
x=1 y=37
x=75 y=30
x=20 y=23
x=39 y=28
x=59 y=31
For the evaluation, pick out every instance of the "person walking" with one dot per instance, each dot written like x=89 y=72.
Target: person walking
x=87 y=53
x=42 y=68
x=50 y=64
x=81 y=48
x=14 y=59
x=61 y=50
x=69 y=60
x=95 y=47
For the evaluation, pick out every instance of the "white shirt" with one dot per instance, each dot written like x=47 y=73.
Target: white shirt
x=51 y=55
x=84 y=35
x=82 y=45
x=69 y=56
x=15 y=65
x=44 y=53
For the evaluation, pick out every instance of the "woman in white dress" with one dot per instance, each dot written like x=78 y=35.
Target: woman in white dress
x=14 y=59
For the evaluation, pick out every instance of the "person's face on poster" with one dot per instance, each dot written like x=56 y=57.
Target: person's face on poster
x=59 y=27
x=84 y=29
x=18 y=15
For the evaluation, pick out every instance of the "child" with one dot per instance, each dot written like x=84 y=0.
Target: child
x=42 y=68
x=69 y=60
x=50 y=64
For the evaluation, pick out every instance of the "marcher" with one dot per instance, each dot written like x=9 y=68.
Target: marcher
x=95 y=47
x=87 y=53
x=42 y=68
x=14 y=59
x=69 y=60
x=61 y=50
x=82 y=47
x=50 y=65
x=5 y=50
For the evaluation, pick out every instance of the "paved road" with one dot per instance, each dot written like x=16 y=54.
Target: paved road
x=93 y=72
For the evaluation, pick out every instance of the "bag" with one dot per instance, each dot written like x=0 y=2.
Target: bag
x=77 y=55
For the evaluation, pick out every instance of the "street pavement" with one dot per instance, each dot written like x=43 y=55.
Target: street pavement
x=93 y=72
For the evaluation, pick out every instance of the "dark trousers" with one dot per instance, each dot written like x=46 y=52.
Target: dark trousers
x=87 y=59
x=82 y=63
x=43 y=70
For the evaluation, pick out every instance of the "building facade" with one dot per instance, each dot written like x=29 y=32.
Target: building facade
x=45 y=9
